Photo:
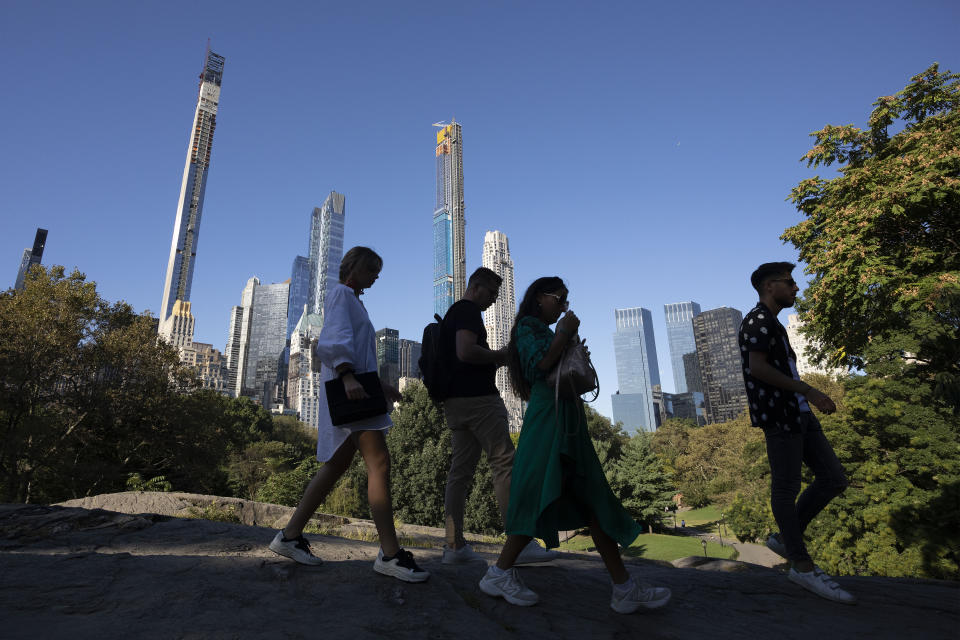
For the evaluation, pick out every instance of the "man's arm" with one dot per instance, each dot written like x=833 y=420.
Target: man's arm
x=763 y=371
x=472 y=353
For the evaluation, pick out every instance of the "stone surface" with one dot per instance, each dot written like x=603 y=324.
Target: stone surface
x=75 y=572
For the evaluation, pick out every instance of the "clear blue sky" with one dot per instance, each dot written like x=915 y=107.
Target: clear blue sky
x=642 y=151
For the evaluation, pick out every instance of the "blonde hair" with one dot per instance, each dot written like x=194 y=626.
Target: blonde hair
x=359 y=257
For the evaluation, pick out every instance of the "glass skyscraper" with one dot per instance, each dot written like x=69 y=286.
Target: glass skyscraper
x=186 y=226
x=258 y=337
x=680 y=338
x=449 y=251
x=388 y=356
x=635 y=351
x=718 y=354
x=326 y=249
x=299 y=292
x=31 y=257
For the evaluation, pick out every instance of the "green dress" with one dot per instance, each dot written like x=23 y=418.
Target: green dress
x=557 y=481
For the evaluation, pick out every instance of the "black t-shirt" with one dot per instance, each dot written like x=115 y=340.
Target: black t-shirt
x=467 y=380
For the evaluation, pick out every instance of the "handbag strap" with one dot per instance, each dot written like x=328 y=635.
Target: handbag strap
x=556 y=397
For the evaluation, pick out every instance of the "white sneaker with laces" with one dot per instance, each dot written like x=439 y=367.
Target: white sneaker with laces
x=401 y=566
x=533 y=552
x=297 y=549
x=823 y=585
x=508 y=585
x=462 y=555
x=633 y=595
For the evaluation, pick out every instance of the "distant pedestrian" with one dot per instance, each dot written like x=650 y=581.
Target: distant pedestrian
x=780 y=405
x=476 y=415
x=683 y=523
x=558 y=483
x=346 y=345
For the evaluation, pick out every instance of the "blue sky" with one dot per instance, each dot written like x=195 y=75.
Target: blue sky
x=642 y=151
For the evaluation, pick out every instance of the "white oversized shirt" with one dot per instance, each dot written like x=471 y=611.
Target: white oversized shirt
x=347 y=336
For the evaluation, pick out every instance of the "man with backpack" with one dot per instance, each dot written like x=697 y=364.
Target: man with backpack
x=475 y=413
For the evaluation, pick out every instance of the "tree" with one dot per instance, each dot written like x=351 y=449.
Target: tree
x=640 y=482
x=711 y=465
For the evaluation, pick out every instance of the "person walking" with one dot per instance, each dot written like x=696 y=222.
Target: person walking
x=476 y=415
x=558 y=483
x=780 y=405
x=346 y=346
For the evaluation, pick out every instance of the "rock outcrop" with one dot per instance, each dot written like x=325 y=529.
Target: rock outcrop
x=78 y=572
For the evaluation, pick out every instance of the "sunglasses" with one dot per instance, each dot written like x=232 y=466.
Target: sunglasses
x=561 y=300
x=789 y=281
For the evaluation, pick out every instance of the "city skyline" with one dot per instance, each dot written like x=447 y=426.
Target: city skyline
x=613 y=150
x=638 y=370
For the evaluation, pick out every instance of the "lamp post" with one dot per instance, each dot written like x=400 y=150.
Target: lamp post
x=719 y=532
x=704 y=543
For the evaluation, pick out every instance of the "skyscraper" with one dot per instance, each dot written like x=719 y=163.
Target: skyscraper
x=498 y=319
x=410 y=351
x=303 y=381
x=718 y=353
x=186 y=226
x=680 y=338
x=31 y=257
x=258 y=336
x=635 y=351
x=802 y=346
x=326 y=249
x=388 y=356
x=449 y=251
x=299 y=291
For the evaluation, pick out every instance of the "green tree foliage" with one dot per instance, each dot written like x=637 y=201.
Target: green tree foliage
x=710 y=466
x=640 y=482
x=670 y=440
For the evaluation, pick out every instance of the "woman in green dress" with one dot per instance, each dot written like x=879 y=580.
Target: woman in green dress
x=558 y=483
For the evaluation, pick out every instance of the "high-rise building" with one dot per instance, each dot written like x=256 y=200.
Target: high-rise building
x=388 y=356
x=718 y=354
x=409 y=356
x=449 y=244
x=177 y=328
x=687 y=406
x=691 y=370
x=635 y=351
x=258 y=336
x=209 y=364
x=802 y=346
x=31 y=257
x=299 y=291
x=186 y=226
x=303 y=377
x=680 y=337
x=498 y=319
x=326 y=249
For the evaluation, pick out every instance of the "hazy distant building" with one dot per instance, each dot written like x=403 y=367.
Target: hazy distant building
x=801 y=345
x=303 y=374
x=31 y=256
x=635 y=351
x=691 y=372
x=449 y=244
x=718 y=354
x=326 y=249
x=388 y=356
x=186 y=226
x=209 y=363
x=258 y=336
x=687 y=406
x=498 y=318
x=679 y=316
x=409 y=356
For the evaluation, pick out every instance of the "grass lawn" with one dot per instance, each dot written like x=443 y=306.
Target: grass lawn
x=696 y=517
x=656 y=546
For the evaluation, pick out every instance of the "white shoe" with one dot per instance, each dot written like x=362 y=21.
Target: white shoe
x=627 y=599
x=508 y=585
x=296 y=549
x=462 y=555
x=533 y=552
x=823 y=585
x=401 y=566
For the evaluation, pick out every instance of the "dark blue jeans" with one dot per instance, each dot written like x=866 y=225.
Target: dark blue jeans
x=786 y=450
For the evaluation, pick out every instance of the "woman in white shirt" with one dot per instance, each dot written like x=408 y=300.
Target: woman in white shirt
x=347 y=345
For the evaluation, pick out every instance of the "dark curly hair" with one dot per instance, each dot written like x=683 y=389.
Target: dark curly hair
x=528 y=307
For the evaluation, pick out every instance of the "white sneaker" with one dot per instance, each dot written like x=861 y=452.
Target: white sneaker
x=533 y=552
x=508 y=585
x=775 y=544
x=296 y=549
x=823 y=585
x=400 y=566
x=462 y=555
x=633 y=595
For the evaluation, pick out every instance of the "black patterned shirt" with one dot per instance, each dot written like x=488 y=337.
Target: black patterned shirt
x=770 y=406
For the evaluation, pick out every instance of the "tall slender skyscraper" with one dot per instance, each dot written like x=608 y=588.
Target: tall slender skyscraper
x=498 y=319
x=635 y=351
x=186 y=226
x=31 y=257
x=299 y=292
x=680 y=336
x=326 y=249
x=718 y=354
x=449 y=250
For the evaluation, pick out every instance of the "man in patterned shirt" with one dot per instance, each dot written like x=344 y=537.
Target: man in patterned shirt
x=779 y=404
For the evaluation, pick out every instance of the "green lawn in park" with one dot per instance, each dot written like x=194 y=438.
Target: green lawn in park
x=697 y=517
x=656 y=546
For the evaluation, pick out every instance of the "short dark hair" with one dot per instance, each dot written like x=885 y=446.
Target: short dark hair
x=485 y=278
x=767 y=270
x=356 y=257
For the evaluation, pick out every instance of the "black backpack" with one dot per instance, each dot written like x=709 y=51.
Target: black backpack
x=432 y=363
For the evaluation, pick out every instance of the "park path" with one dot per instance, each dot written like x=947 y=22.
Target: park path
x=748 y=551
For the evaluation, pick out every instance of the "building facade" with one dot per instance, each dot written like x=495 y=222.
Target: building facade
x=802 y=346
x=409 y=358
x=449 y=222
x=388 y=356
x=638 y=371
x=718 y=354
x=326 y=249
x=177 y=328
x=303 y=373
x=299 y=291
x=209 y=363
x=498 y=319
x=258 y=336
x=30 y=257
x=679 y=316
x=186 y=226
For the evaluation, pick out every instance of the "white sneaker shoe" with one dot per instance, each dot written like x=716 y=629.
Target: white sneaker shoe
x=823 y=585
x=296 y=549
x=400 y=566
x=633 y=595
x=533 y=552
x=508 y=585
x=775 y=544
x=463 y=555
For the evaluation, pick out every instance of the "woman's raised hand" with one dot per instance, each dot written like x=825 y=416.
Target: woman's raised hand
x=569 y=323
